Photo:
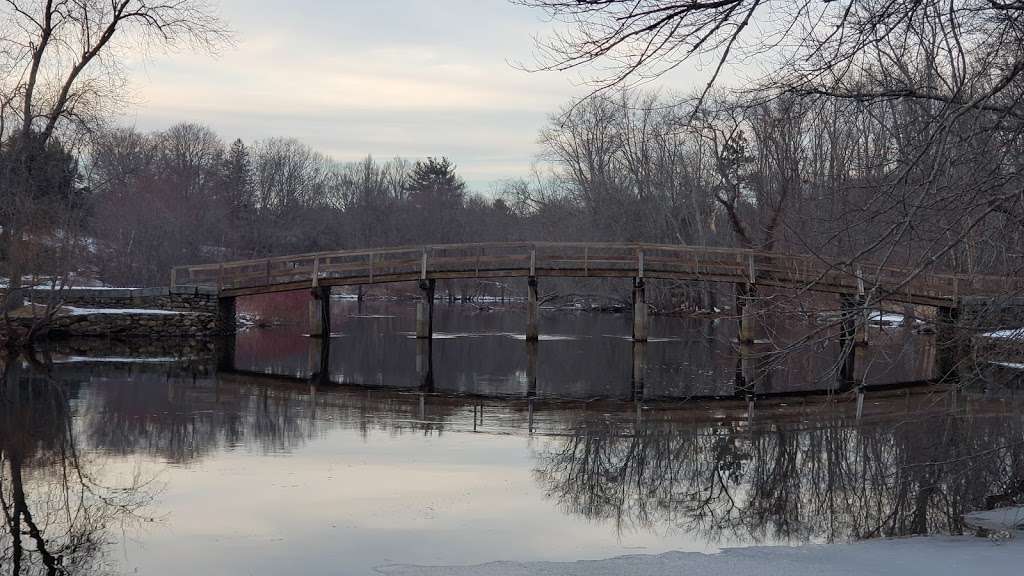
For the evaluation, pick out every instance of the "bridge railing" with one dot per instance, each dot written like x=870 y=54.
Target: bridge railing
x=582 y=260
x=472 y=260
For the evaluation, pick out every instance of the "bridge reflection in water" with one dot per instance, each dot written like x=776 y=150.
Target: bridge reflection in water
x=579 y=355
x=800 y=470
x=755 y=276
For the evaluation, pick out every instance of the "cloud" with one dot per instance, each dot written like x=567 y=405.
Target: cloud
x=398 y=78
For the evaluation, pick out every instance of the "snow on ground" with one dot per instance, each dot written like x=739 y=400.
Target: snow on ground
x=1011 y=365
x=114 y=359
x=884 y=318
x=1002 y=519
x=630 y=338
x=1011 y=334
x=43 y=287
x=455 y=335
x=543 y=337
x=931 y=556
x=75 y=311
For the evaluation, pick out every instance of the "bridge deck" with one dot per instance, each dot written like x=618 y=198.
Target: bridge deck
x=588 y=260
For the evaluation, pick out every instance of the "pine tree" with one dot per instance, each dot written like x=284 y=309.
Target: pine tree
x=238 y=177
x=434 y=186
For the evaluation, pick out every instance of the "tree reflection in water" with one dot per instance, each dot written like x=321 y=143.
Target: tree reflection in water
x=827 y=478
x=811 y=470
x=58 y=518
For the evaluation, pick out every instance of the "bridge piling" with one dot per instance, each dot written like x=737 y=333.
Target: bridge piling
x=425 y=364
x=747 y=370
x=319 y=361
x=746 y=310
x=951 y=347
x=320 y=312
x=226 y=315
x=639 y=369
x=640 y=321
x=853 y=339
x=225 y=349
x=532 y=304
x=425 y=310
x=531 y=368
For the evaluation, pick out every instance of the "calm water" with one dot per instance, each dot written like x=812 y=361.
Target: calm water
x=236 y=465
x=581 y=355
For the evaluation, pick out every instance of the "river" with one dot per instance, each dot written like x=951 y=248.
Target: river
x=179 y=459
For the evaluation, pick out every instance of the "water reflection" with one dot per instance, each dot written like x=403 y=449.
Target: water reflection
x=580 y=355
x=821 y=477
x=587 y=438
x=60 y=514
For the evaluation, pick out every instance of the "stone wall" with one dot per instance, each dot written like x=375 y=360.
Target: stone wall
x=192 y=350
x=180 y=298
x=135 y=324
x=135 y=312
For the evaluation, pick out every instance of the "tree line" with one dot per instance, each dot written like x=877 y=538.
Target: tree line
x=897 y=148
x=182 y=196
x=825 y=176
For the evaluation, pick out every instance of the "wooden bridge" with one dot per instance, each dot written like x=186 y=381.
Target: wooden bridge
x=859 y=285
x=589 y=260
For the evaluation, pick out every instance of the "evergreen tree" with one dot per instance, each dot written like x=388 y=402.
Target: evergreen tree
x=434 y=186
x=237 y=192
x=238 y=177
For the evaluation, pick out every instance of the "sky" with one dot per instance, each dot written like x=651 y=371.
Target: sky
x=406 y=78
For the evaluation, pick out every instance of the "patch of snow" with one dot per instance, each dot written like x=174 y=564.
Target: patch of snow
x=1013 y=365
x=927 y=556
x=75 y=311
x=42 y=287
x=113 y=359
x=1000 y=519
x=447 y=335
x=1011 y=334
x=884 y=318
x=630 y=338
x=246 y=319
x=544 y=337
x=455 y=335
x=497 y=299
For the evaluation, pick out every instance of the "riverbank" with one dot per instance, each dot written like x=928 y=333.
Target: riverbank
x=122 y=312
x=928 y=556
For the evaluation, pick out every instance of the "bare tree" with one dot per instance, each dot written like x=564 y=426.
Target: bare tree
x=62 y=74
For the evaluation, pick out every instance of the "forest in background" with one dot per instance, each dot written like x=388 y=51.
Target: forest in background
x=896 y=148
x=820 y=176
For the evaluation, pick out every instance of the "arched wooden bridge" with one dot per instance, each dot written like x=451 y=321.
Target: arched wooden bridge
x=860 y=286
x=589 y=260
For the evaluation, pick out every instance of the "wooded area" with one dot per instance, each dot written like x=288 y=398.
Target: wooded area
x=901 y=148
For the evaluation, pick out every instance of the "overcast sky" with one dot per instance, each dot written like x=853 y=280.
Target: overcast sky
x=389 y=77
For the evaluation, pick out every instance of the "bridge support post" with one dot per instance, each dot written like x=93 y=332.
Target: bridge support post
x=639 y=369
x=226 y=315
x=746 y=310
x=425 y=363
x=746 y=371
x=532 y=305
x=950 y=348
x=853 y=339
x=320 y=312
x=531 y=368
x=640 y=322
x=319 y=361
x=425 y=310
x=225 y=348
